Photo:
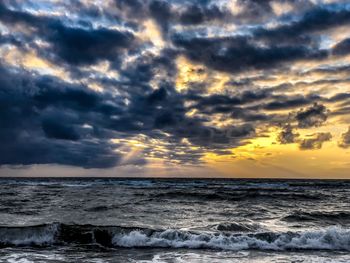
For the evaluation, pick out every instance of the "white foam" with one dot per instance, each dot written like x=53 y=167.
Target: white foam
x=29 y=236
x=333 y=238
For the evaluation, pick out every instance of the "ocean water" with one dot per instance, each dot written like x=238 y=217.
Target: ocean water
x=178 y=220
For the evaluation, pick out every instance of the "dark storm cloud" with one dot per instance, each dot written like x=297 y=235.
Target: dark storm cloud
x=313 y=116
x=169 y=13
x=232 y=54
x=231 y=105
x=345 y=139
x=30 y=135
x=238 y=106
x=59 y=130
x=158 y=95
x=86 y=45
x=149 y=66
x=51 y=121
x=81 y=46
x=73 y=45
x=225 y=100
x=27 y=151
x=265 y=47
x=316 y=19
x=315 y=142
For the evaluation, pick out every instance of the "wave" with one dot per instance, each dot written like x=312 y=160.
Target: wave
x=334 y=238
x=302 y=216
x=236 y=196
x=236 y=227
x=41 y=235
x=82 y=182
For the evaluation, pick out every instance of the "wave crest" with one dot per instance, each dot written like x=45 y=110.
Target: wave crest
x=333 y=238
x=330 y=239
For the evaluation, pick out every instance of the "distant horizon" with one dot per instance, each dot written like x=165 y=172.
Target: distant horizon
x=175 y=178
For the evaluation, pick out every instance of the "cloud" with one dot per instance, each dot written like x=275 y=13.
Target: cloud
x=232 y=105
x=72 y=44
x=287 y=135
x=233 y=54
x=42 y=123
x=217 y=138
x=58 y=130
x=266 y=47
x=52 y=121
x=315 y=142
x=342 y=48
x=167 y=14
x=313 y=116
x=268 y=63
x=289 y=102
x=161 y=12
x=344 y=141
x=197 y=14
x=87 y=46
x=318 y=18
x=158 y=95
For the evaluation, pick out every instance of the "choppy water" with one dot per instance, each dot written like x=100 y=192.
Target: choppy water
x=118 y=220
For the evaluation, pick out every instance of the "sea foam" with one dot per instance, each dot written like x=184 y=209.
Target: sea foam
x=332 y=238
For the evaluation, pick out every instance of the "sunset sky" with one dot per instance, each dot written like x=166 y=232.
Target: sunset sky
x=185 y=88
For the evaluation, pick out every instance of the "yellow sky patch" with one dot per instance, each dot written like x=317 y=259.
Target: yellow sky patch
x=31 y=61
x=190 y=74
x=151 y=32
x=265 y=157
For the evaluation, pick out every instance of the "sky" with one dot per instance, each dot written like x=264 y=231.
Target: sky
x=190 y=88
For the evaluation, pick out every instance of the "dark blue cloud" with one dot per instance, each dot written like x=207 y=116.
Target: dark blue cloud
x=342 y=48
x=58 y=130
x=71 y=44
x=232 y=54
x=87 y=46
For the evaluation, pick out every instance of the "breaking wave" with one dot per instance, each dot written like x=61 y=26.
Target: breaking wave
x=333 y=238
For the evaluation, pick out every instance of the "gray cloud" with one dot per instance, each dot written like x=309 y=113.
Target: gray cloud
x=315 y=142
x=345 y=139
x=287 y=135
x=313 y=116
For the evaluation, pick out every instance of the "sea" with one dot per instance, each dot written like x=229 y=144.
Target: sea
x=174 y=220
